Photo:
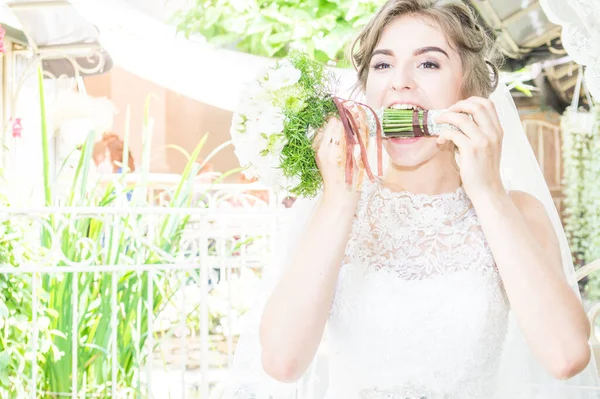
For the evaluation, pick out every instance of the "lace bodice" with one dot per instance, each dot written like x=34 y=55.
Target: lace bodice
x=419 y=309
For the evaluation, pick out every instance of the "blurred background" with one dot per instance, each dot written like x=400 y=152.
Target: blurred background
x=130 y=243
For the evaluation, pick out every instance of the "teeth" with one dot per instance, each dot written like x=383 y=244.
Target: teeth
x=406 y=106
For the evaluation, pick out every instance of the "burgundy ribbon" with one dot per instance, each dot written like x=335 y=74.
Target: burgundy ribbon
x=416 y=125
x=419 y=131
x=425 y=128
x=353 y=138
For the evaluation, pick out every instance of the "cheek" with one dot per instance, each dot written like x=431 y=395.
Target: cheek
x=442 y=88
x=375 y=91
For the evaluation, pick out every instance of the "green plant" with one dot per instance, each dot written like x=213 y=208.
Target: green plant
x=581 y=160
x=89 y=239
x=16 y=313
x=321 y=28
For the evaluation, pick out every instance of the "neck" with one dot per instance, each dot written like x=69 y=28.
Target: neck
x=436 y=176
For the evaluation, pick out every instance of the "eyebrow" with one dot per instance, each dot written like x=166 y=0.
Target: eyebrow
x=429 y=49
x=419 y=51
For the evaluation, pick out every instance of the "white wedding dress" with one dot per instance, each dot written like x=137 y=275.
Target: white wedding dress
x=419 y=309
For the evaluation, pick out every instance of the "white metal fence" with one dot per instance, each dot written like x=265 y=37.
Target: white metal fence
x=126 y=302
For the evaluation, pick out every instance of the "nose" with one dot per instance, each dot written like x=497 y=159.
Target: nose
x=402 y=80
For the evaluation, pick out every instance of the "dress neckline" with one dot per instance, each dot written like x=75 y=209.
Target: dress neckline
x=456 y=194
x=423 y=209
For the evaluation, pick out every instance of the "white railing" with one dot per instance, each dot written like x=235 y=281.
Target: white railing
x=154 y=304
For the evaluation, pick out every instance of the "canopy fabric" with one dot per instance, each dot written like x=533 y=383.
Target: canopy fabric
x=58 y=33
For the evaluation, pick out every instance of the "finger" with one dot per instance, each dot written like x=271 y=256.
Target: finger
x=468 y=127
x=316 y=143
x=461 y=141
x=323 y=135
x=361 y=117
x=334 y=144
x=337 y=134
x=350 y=104
x=483 y=112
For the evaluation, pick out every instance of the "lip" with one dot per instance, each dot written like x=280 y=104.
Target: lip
x=405 y=141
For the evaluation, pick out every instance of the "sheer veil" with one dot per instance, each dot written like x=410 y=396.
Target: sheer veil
x=520 y=374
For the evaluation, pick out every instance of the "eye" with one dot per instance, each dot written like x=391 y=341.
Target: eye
x=429 y=65
x=382 y=65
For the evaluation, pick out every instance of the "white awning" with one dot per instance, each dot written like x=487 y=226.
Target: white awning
x=154 y=51
x=58 y=33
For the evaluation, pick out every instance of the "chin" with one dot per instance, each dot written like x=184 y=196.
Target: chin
x=412 y=152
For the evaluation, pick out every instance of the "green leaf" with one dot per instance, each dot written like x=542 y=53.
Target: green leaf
x=290 y=24
x=212 y=16
x=278 y=38
x=326 y=8
x=4 y=359
x=4 y=313
x=259 y=25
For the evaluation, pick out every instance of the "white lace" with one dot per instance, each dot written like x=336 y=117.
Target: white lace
x=417 y=236
x=437 y=336
x=419 y=309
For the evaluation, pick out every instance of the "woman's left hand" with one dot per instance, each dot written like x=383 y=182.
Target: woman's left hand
x=479 y=143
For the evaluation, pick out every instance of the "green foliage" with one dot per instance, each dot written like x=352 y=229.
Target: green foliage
x=298 y=156
x=581 y=160
x=321 y=28
x=87 y=239
x=16 y=311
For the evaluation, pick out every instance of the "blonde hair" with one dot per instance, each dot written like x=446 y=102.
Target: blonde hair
x=456 y=20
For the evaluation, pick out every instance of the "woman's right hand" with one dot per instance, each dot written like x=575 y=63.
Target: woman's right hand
x=330 y=148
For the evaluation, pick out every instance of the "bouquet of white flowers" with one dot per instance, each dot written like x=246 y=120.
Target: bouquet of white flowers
x=280 y=111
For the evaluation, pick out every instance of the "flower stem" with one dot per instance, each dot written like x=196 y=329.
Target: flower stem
x=399 y=122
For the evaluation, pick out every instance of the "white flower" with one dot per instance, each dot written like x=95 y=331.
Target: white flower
x=283 y=76
x=254 y=99
x=252 y=172
x=257 y=128
x=293 y=181
x=279 y=142
x=247 y=149
x=270 y=122
x=238 y=124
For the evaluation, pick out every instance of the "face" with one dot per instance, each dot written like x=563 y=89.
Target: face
x=414 y=64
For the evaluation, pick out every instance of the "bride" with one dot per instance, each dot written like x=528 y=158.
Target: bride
x=441 y=279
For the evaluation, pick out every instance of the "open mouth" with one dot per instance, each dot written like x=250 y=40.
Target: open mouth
x=406 y=106
x=405 y=120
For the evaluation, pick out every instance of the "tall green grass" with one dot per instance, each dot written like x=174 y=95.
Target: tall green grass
x=79 y=306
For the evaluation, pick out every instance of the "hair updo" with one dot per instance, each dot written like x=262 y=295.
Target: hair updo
x=456 y=20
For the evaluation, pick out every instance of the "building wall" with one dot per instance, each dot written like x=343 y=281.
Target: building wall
x=178 y=120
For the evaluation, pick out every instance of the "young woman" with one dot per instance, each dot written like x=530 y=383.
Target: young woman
x=415 y=276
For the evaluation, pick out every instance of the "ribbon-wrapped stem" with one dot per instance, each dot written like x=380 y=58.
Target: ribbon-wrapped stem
x=406 y=123
x=352 y=129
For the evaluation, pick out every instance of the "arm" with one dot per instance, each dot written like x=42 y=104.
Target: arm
x=295 y=315
x=523 y=242
x=527 y=253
